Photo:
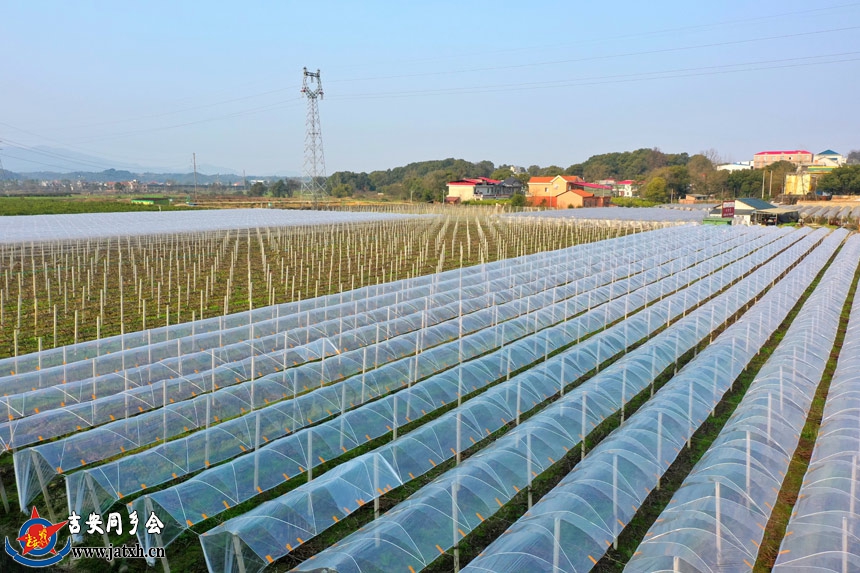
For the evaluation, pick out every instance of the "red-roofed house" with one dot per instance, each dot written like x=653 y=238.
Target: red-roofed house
x=563 y=191
x=475 y=189
x=798 y=156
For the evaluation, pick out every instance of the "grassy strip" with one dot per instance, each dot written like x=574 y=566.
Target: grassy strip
x=633 y=534
x=776 y=525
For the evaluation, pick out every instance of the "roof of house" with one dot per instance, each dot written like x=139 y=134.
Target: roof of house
x=512 y=182
x=754 y=203
x=792 y=152
x=828 y=152
x=625 y=182
x=541 y=179
x=582 y=192
x=474 y=181
x=572 y=178
x=593 y=185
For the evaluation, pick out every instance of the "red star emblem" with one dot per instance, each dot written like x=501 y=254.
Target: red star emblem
x=37 y=535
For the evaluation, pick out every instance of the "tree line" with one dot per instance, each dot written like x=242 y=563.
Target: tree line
x=662 y=176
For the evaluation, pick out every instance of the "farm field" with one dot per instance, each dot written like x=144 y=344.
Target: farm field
x=439 y=393
x=56 y=292
x=29 y=206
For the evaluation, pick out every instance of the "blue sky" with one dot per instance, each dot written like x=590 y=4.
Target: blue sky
x=512 y=82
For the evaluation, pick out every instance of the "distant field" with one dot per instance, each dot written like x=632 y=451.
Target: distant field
x=68 y=205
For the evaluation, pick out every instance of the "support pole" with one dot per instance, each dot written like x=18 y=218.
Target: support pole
x=257 y=453
x=719 y=525
x=659 y=448
x=749 y=468
x=529 y=468
x=376 y=490
x=42 y=484
x=237 y=551
x=459 y=437
x=310 y=454
x=582 y=430
x=394 y=418
x=615 y=501
x=454 y=520
x=96 y=508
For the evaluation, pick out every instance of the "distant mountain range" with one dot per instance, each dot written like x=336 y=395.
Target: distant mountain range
x=58 y=164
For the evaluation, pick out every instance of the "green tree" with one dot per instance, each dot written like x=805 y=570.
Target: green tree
x=677 y=180
x=342 y=190
x=575 y=169
x=518 y=200
x=745 y=183
x=596 y=172
x=776 y=172
x=502 y=173
x=656 y=190
x=258 y=189
x=523 y=178
x=436 y=184
x=698 y=166
x=118 y=186
x=551 y=171
x=853 y=157
x=841 y=181
x=415 y=189
x=279 y=189
x=705 y=179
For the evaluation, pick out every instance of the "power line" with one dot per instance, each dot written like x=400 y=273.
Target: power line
x=601 y=80
x=37 y=162
x=493 y=68
x=614 y=38
x=606 y=56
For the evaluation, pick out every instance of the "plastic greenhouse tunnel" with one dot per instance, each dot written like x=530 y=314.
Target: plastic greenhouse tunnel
x=571 y=527
x=202 y=497
x=718 y=516
x=412 y=531
x=823 y=533
x=122 y=435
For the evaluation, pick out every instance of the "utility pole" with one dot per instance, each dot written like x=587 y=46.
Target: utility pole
x=763 y=173
x=194 y=161
x=313 y=182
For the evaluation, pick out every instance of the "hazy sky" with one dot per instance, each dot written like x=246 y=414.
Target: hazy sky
x=512 y=82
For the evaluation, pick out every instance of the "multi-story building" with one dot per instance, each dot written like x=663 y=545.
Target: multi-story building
x=563 y=191
x=763 y=159
x=829 y=158
x=623 y=188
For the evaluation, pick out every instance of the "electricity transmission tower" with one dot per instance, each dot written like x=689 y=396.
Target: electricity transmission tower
x=313 y=182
